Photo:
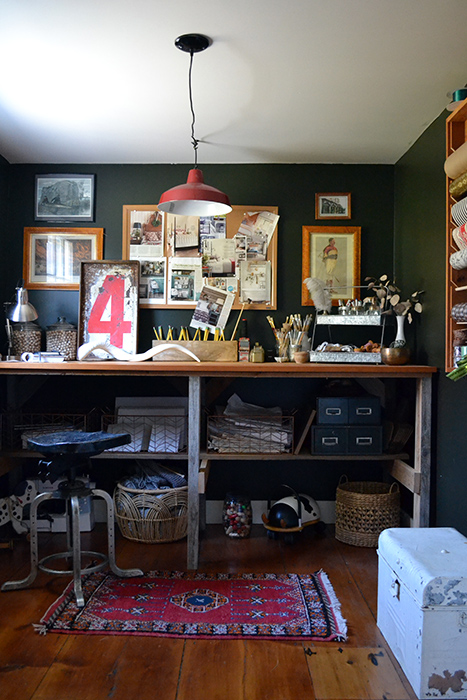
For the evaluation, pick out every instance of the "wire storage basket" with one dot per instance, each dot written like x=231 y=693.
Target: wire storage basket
x=18 y=427
x=161 y=433
x=364 y=509
x=151 y=516
x=250 y=434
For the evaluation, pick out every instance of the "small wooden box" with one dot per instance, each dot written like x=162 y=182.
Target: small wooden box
x=206 y=350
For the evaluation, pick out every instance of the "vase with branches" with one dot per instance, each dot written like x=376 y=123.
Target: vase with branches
x=391 y=302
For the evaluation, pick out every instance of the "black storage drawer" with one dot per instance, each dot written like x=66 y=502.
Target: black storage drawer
x=346 y=410
x=328 y=440
x=332 y=410
x=346 y=440
x=365 y=440
x=364 y=410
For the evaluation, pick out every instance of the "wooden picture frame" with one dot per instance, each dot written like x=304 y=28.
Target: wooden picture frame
x=332 y=205
x=61 y=197
x=167 y=262
x=108 y=304
x=332 y=254
x=52 y=256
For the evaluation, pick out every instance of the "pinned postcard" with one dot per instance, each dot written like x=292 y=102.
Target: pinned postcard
x=255 y=282
x=185 y=280
x=213 y=309
x=258 y=228
x=152 y=282
x=183 y=233
x=218 y=257
x=146 y=234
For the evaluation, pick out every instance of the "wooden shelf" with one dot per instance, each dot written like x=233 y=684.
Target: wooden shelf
x=456 y=280
x=415 y=477
x=305 y=455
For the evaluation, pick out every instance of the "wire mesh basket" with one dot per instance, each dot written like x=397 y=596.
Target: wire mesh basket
x=18 y=427
x=151 y=516
x=364 y=509
x=149 y=433
x=250 y=434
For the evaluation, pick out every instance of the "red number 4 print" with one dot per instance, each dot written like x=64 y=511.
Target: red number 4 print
x=113 y=292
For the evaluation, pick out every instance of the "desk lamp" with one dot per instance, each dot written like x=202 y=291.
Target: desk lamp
x=20 y=311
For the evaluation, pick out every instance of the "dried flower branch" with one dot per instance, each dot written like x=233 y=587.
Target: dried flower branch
x=389 y=296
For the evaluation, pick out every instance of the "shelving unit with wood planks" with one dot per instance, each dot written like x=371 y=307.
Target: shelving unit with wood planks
x=456 y=280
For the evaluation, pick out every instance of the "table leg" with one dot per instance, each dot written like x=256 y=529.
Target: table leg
x=194 y=430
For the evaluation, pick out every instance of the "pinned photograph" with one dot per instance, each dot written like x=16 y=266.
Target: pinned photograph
x=213 y=308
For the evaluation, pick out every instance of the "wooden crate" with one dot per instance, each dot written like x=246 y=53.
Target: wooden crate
x=206 y=350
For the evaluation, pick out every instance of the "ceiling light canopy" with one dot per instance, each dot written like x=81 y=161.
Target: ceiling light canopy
x=194 y=198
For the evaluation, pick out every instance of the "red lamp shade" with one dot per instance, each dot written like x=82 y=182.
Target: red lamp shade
x=195 y=198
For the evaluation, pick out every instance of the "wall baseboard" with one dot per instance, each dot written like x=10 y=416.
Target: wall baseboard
x=214 y=511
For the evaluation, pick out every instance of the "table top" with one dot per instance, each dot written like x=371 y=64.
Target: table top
x=213 y=369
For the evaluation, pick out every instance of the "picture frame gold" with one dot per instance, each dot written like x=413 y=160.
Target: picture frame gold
x=52 y=256
x=333 y=205
x=332 y=254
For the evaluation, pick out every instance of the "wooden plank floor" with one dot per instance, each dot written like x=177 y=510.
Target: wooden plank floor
x=73 y=667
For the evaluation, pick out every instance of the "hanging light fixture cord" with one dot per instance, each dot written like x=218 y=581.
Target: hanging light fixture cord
x=194 y=141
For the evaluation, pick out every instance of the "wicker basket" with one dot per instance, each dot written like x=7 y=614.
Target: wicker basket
x=364 y=509
x=152 y=516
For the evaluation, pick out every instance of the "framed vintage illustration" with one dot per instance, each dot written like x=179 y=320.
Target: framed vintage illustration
x=52 y=256
x=332 y=254
x=332 y=205
x=108 y=304
x=64 y=197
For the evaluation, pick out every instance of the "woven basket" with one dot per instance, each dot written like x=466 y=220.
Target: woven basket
x=364 y=509
x=152 y=515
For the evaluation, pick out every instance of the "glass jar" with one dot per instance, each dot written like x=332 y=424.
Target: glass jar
x=26 y=337
x=237 y=516
x=62 y=337
x=257 y=353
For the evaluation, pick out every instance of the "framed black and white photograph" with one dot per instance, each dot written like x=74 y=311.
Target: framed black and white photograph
x=332 y=205
x=64 y=197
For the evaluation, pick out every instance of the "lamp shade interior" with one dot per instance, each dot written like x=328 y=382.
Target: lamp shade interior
x=194 y=198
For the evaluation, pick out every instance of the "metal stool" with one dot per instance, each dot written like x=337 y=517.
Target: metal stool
x=70 y=452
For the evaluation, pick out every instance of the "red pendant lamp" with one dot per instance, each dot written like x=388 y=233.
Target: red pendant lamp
x=194 y=198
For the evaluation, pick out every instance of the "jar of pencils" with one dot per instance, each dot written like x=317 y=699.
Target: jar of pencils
x=237 y=516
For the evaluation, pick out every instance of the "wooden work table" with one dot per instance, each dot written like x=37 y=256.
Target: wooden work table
x=416 y=477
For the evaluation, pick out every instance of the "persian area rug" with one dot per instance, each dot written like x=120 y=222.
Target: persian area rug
x=189 y=605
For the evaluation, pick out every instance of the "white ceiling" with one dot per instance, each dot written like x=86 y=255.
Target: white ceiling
x=285 y=81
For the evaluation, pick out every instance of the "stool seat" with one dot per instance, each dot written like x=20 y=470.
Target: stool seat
x=77 y=442
x=70 y=451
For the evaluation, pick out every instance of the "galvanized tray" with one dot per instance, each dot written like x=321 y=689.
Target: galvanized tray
x=347 y=357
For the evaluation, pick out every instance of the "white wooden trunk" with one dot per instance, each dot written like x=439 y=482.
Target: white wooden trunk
x=422 y=607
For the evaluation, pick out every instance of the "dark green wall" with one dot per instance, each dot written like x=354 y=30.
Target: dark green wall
x=5 y=171
x=291 y=187
x=409 y=198
x=420 y=255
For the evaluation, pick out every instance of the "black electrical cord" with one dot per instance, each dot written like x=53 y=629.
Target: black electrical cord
x=194 y=141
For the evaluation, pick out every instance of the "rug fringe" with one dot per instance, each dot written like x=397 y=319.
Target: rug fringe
x=40 y=629
x=341 y=622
